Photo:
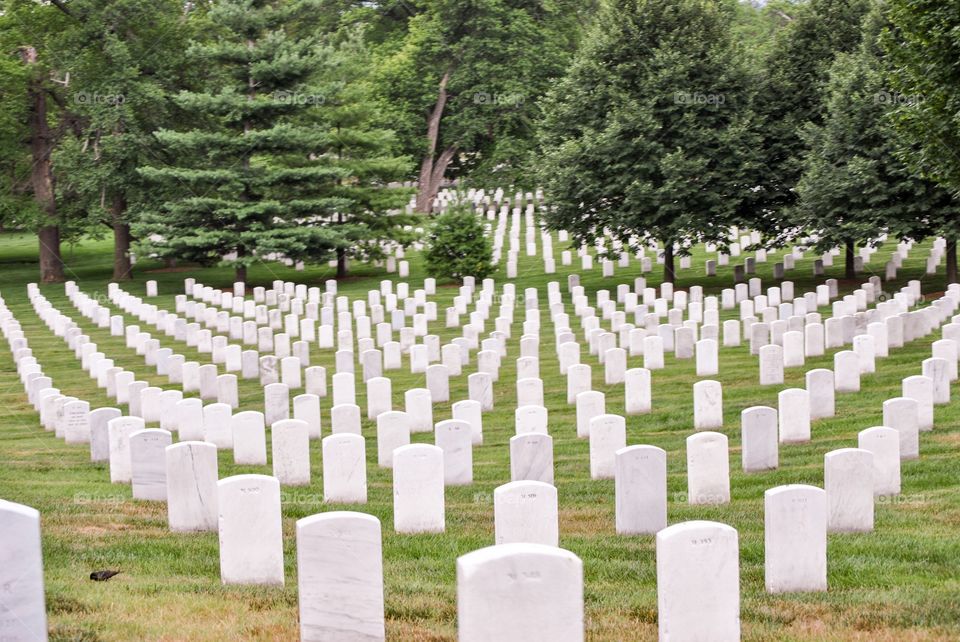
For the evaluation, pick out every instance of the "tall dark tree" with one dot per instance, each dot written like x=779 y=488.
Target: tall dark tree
x=922 y=45
x=790 y=95
x=35 y=93
x=265 y=174
x=125 y=58
x=463 y=82
x=855 y=186
x=649 y=136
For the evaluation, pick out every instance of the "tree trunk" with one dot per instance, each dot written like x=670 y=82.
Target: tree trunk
x=951 y=259
x=669 y=272
x=427 y=187
x=341 y=263
x=122 y=268
x=240 y=273
x=41 y=173
x=848 y=270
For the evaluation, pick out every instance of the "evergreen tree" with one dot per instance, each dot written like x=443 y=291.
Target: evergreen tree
x=854 y=186
x=458 y=245
x=649 y=136
x=366 y=211
x=265 y=174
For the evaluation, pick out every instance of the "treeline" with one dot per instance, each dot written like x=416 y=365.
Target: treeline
x=235 y=131
x=832 y=122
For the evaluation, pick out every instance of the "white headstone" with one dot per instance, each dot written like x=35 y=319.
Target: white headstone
x=249 y=438
x=22 y=608
x=250 y=530
x=608 y=434
x=493 y=605
x=820 y=385
x=119 y=431
x=344 y=469
x=920 y=389
x=795 y=539
x=192 y=486
x=531 y=457
x=641 y=490
x=708 y=469
x=698 y=582
x=148 y=464
x=794 y=415
x=901 y=414
x=290 y=439
x=848 y=482
x=418 y=489
x=454 y=437
x=707 y=405
x=340 y=577
x=884 y=443
x=526 y=511
x=393 y=431
x=759 y=438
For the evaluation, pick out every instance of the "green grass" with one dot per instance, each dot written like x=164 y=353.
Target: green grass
x=899 y=582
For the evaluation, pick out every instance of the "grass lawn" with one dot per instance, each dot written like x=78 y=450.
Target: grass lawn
x=900 y=582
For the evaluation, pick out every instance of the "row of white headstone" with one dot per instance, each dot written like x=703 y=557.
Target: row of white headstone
x=428 y=458
x=594 y=451
x=594 y=466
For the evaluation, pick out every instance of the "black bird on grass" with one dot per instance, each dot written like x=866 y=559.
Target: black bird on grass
x=102 y=576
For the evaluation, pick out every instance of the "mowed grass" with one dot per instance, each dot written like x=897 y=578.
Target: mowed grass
x=897 y=583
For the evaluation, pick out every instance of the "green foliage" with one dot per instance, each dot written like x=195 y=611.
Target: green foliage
x=502 y=56
x=923 y=45
x=283 y=160
x=37 y=26
x=855 y=186
x=790 y=95
x=757 y=25
x=649 y=136
x=457 y=246
x=120 y=92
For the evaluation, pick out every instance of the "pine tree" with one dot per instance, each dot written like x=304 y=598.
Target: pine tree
x=264 y=176
x=649 y=136
x=366 y=209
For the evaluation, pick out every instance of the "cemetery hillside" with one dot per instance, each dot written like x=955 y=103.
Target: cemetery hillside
x=486 y=320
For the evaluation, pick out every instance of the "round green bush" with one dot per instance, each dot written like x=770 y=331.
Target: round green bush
x=457 y=246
